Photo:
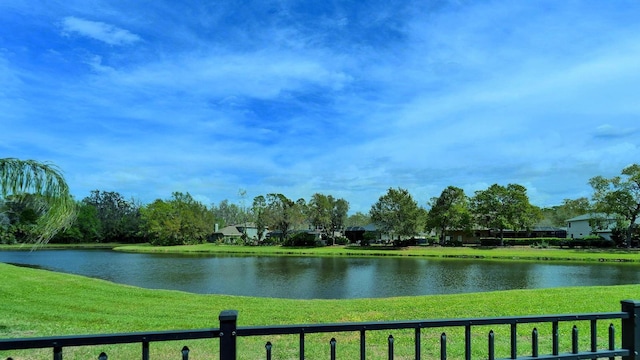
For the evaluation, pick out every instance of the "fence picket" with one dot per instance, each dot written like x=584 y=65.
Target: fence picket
x=534 y=343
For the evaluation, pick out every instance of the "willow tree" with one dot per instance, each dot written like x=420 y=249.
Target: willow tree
x=45 y=181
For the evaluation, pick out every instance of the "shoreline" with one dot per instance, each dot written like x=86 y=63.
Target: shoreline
x=45 y=303
x=512 y=253
x=473 y=253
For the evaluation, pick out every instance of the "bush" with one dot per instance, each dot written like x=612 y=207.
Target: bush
x=7 y=237
x=541 y=245
x=453 y=243
x=588 y=242
x=301 y=239
x=491 y=242
x=405 y=243
x=341 y=240
x=368 y=238
x=534 y=241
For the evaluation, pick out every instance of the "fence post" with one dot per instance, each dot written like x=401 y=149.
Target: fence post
x=228 y=323
x=631 y=329
x=57 y=353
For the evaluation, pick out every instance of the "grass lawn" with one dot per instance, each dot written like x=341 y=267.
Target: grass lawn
x=40 y=303
x=498 y=253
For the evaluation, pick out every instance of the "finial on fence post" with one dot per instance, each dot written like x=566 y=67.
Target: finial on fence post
x=228 y=325
x=268 y=347
x=631 y=329
x=332 y=343
x=492 y=345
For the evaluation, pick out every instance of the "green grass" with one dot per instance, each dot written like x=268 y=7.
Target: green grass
x=500 y=253
x=42 y=303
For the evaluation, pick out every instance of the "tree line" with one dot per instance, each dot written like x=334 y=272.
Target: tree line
x=106 y=216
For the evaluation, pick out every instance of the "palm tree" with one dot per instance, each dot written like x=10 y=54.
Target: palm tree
x=21 y=177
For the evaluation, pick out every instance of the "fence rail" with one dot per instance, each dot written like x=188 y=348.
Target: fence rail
x=228 y=332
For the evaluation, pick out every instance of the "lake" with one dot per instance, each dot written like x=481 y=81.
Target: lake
x=321 y=277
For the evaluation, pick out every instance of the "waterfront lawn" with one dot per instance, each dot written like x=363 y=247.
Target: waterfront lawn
x=495 y=253
x=41 y=303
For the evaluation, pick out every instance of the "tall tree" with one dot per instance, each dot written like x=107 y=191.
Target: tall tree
x=18 y=177
x=86 y=228
x=358 y=219
x=327 y=213
x=449 y=211
x=229 y=213
x=619 y=195
x=339 y=212
x=119 y=218
x=283 y=214
x=396 y=213
x=179 y=221
x=559 y=214
x=501 y=208
x=259 y=210
x=319 y=211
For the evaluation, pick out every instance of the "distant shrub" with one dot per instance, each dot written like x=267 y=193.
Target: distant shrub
x=589 y=242
x=405 y=242
x=534 y=241
x=341 y=240
x=432 y=240
x=301 y=239
x=540 y=245
x=490 y=242
x=7 y=237
x=453 y=243
x=368 y=238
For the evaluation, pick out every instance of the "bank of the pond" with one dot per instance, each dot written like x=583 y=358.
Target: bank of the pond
x=40 y=303
x=497 y=253
x=467 y=252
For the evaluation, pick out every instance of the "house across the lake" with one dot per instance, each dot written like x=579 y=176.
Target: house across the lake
x=474 y=236
x=233 y=233
x=581 y=226
x=370 y=232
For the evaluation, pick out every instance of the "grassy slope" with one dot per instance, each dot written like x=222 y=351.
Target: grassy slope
x=38 y=303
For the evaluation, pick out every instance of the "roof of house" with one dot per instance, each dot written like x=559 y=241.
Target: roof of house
x=592 y=216
x=369 y=227
x=548 y=228
x=230 y=230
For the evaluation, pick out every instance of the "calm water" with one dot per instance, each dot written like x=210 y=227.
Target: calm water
x=320 y=278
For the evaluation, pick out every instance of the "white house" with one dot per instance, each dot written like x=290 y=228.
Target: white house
x=578 y=227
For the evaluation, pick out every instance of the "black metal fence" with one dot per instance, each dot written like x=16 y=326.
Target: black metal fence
x=228 y=332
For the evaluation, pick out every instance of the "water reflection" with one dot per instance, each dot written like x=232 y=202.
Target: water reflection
x=327 y=278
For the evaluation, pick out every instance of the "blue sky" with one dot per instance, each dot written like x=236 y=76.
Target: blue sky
x=338 y=97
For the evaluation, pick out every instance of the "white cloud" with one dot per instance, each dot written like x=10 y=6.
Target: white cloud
x=263 y=74
x=97 y=30
x=324 y=100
